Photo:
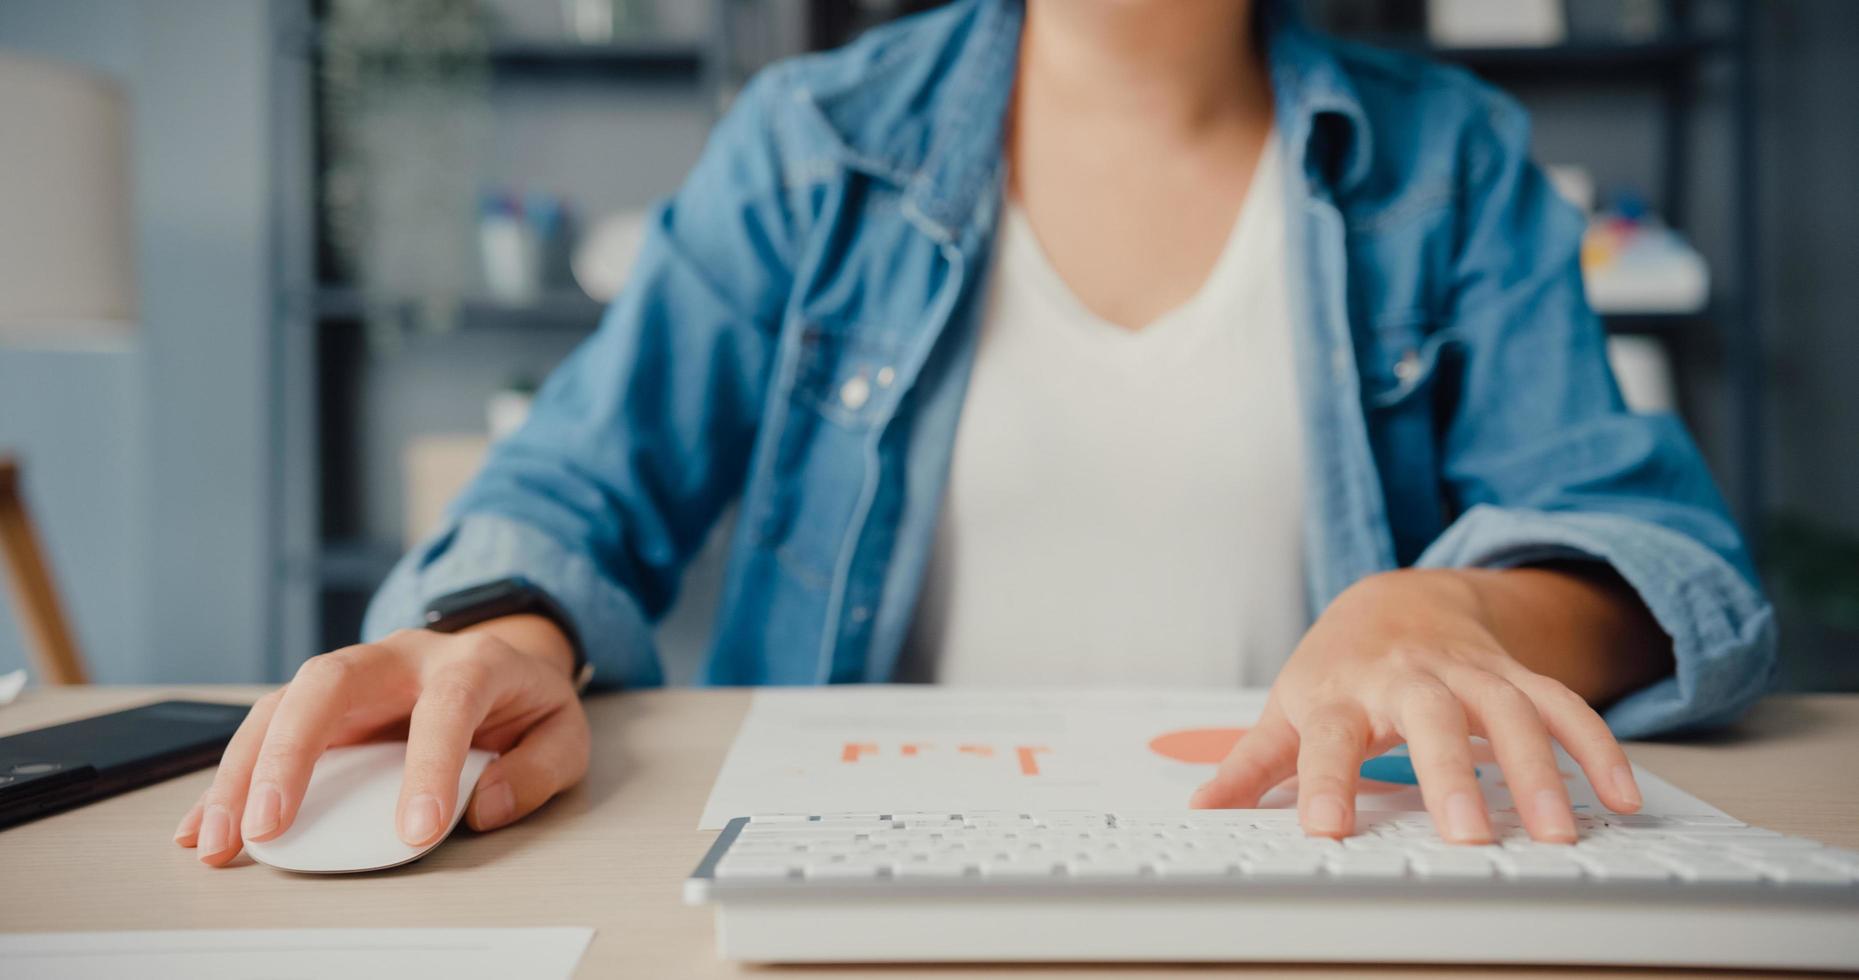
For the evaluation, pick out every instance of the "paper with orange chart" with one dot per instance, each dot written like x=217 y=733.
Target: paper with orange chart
x=887 y=749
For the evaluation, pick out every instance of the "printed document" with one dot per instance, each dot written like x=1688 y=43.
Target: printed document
x=295 y=954
x=891 y=749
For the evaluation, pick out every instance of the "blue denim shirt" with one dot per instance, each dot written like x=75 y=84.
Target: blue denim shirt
x=797 y=333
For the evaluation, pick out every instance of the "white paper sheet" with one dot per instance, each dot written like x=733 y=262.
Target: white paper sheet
x=883 y=749
x=295 y=954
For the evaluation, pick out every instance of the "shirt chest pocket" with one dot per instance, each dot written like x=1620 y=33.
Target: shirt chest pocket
x=845 y=374
x=840 y=385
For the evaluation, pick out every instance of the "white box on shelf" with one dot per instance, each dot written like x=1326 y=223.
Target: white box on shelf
x=1496 y=23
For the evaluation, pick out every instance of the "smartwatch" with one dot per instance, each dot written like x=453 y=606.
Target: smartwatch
x=505 y=597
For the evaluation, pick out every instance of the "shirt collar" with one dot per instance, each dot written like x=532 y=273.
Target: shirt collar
x=928 y=116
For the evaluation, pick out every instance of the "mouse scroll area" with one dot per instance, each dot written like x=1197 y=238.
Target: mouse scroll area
x=346 y=822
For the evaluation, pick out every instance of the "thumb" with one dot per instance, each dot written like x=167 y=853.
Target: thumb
x=551 y=757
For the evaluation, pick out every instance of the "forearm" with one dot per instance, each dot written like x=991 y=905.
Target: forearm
x=1575 y=622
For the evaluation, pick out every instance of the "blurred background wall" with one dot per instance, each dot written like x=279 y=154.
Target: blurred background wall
x=147 y=467
x=220 y=498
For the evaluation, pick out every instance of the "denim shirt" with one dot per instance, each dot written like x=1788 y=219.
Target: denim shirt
x=797 y=333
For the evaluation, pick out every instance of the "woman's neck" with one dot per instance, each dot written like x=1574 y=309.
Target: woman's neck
x=1185 y=65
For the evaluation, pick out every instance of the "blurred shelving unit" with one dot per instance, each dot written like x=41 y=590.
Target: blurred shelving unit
x=565 y=309
x=331 y=557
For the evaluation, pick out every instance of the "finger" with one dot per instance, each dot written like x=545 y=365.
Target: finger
x=187 y=832
x=1579 y=728
x=1507 y=718
x=1264 y=757
x=1433 y=722
x=313 y=706
x=453 y=703
x=551 y=757
x=216 y=834
x=1331 y=742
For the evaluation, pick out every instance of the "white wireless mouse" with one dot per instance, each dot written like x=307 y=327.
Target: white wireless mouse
x=346 y=823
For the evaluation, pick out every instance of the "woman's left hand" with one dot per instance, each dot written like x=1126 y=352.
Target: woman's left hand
x=1411 y=656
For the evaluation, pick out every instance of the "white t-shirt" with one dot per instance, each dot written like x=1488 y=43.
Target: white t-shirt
x=1124 y=507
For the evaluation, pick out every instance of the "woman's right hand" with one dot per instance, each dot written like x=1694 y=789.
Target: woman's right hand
x=442 y=693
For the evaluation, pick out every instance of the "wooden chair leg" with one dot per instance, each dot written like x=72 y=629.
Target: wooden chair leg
x=29 y=580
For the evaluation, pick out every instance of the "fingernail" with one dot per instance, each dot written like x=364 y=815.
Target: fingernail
x=1465 y=818
x=1324 y=815
x=215 y=831
x=420 y=820
x=189 y=825
x=1199 y=799
x=496 y=805
x=1626 y=787
x=261 y=813
x=1553 y=818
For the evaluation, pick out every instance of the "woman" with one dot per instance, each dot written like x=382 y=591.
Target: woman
x=1249 y=335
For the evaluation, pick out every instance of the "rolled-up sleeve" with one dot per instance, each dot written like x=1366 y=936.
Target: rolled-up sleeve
x=1543 y=460
x=1722 y=630
x=481 y=548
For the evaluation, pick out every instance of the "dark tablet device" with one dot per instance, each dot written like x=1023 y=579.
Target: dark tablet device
x=56 y=768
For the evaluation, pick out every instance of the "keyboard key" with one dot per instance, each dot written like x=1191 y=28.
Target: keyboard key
x=1104 y=867
x=1282 y=865
x=752 y=871
x=1196 y=866
x=1714 y=835
x=841 y=870
x=1622 y=867
x=1711 y=870
x=1456 y=863
x=1367 y=864
x=1772 y=845
x=1018 y=868
x=1803 y=872
x=929 y=869
x=1312 y=845
x=1537 y=866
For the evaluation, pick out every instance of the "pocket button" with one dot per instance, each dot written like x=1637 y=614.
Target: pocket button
x=855 y=393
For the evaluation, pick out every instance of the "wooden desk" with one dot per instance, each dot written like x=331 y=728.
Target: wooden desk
x=611 y=854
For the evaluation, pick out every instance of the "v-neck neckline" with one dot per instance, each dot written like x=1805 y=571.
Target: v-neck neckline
x=1018 y=233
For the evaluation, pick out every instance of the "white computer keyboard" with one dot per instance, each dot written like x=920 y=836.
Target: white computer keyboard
x=1249 y=885
x=1256 y=845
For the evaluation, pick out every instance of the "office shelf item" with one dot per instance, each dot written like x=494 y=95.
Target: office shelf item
x=559 y=309
x=330 y=558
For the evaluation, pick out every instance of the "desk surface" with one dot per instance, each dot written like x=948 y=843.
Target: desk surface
x=612 y=853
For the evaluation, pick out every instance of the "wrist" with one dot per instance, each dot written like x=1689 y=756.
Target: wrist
x=532 y=635
x=1431 y=591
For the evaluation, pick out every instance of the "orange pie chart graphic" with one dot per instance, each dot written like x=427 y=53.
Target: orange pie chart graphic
x=1201 y=746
